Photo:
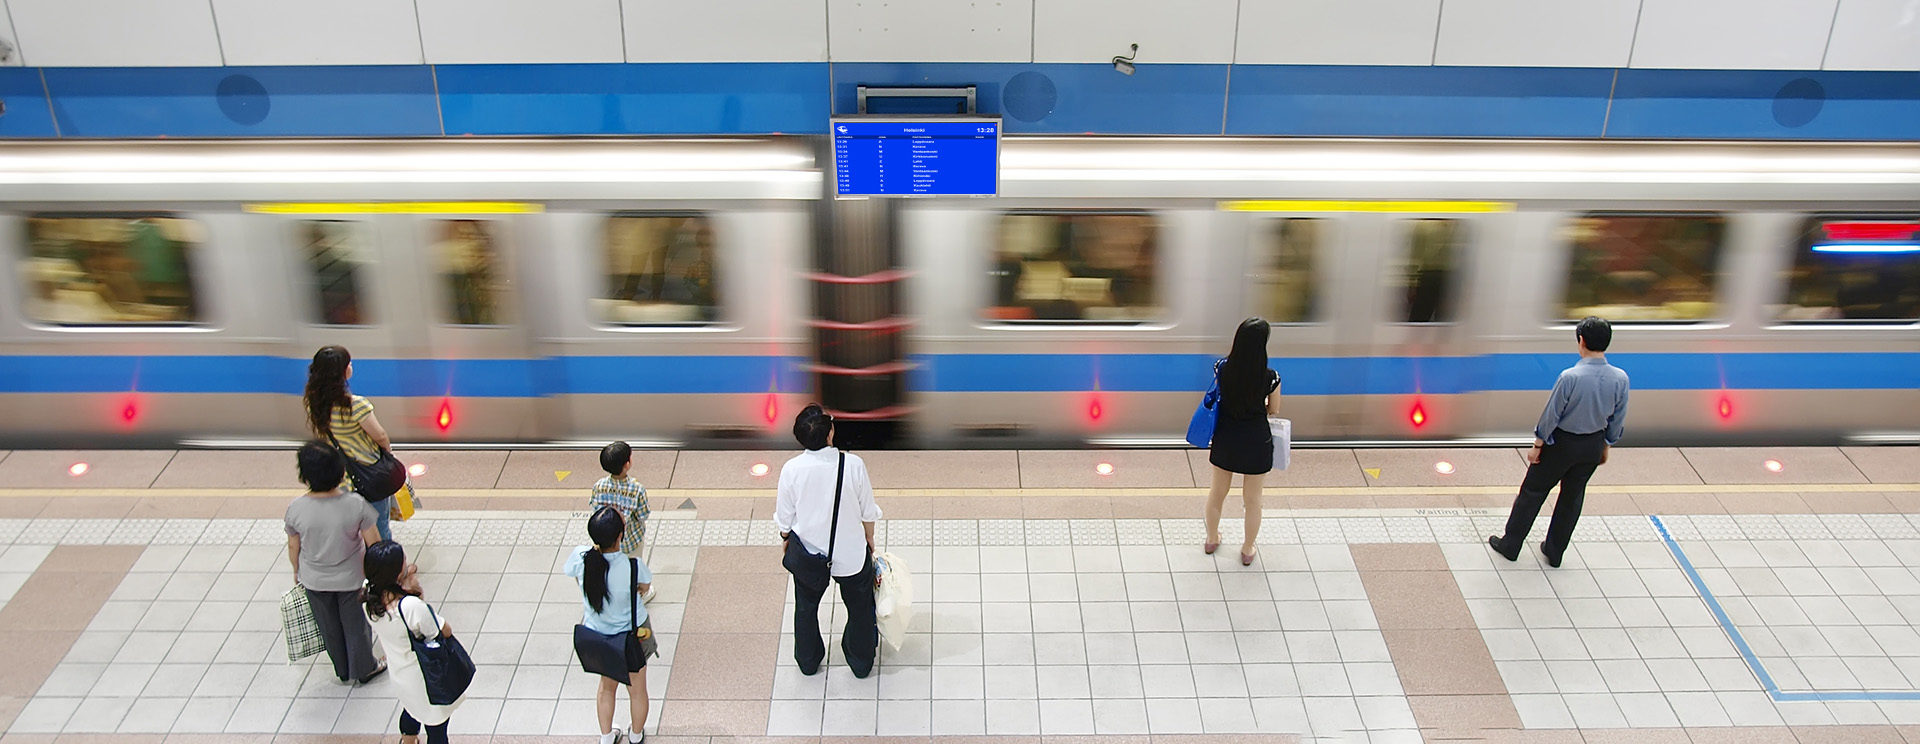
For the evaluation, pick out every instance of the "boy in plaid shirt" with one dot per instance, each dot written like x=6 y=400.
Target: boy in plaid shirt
x=625 y=494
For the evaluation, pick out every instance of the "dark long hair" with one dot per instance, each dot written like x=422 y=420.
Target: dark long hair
x=604 y=527
x=1244 y=376
x=383 y=563
x=326 y=387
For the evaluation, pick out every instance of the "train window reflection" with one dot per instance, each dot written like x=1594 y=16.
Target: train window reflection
x=119 y=269
x=1855 y=268
x=470 y=263
x=335 y=251
x=1090 y=267
x=1644 y=267
x=1426 y=280
x=659 y=269
x=1283 y=287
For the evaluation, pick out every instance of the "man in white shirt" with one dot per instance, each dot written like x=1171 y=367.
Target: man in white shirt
x=804 y=513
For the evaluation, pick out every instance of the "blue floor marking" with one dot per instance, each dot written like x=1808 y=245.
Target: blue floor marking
x=1746 y=652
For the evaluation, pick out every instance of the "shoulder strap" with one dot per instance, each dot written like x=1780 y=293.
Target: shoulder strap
x=633 y=597
x=400 y=613
x=833 y=532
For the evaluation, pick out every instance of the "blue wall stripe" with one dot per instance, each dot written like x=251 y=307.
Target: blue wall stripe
x=220 y=102
x=1417 y=101
x=796 y=98
x=949 y=373
x=734 y=98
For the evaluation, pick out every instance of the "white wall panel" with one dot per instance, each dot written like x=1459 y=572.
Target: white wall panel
x=726 y=30
x=523 y=31
x=1733 y=34
x=116 y=33
x=7 y=35
x=303 y=32
x=930 y=30
x=1189 y=31
x=1536 y=33
x=1338 y=32
x=1875 y=35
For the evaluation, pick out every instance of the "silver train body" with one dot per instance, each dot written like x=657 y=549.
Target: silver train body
x=1353 y=371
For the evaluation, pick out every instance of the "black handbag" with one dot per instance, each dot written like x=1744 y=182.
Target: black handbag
x=809 y=568
x=616 y=655
x=375 y=482
x=444 y=664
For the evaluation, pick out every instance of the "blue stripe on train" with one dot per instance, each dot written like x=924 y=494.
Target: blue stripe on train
x=630 y=375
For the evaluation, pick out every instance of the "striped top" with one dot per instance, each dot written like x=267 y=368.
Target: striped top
x=353 y=439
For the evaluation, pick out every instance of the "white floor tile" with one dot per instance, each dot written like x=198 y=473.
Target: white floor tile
x=959 y=717
x=1543 y=711
x=1173 y=716
x=1013 y=717
x=795 y=717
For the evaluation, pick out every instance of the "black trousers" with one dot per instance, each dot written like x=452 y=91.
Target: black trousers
x=859 y=641
x=410 y=727
x=343 y=627
x=1569 y=462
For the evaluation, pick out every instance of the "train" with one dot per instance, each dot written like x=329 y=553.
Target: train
x=698 y=292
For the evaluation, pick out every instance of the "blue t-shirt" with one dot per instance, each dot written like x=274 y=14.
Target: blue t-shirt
x=615 y=612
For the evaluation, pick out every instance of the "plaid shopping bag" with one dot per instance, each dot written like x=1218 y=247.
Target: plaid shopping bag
x=302 y=631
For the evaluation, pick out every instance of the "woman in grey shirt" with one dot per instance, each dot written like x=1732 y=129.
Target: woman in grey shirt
x=328 y=531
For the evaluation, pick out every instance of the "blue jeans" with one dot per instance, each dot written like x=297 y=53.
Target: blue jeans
x=382 y=506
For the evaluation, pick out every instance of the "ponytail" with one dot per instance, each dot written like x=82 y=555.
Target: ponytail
x=594 y=580
x=604 y=527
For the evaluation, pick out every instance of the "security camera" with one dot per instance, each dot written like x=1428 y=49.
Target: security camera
x=1125 y=64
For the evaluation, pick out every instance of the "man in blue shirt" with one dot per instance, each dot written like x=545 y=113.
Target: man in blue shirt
x=1585 y=416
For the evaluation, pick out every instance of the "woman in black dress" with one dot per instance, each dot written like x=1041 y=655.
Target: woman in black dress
x=1242 y=441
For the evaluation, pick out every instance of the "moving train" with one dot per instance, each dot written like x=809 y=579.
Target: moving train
x=698 y=292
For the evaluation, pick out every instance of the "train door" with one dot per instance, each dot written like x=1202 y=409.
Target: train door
x=1292 y=267
x=475 y=377
x=1422 y=359
x=344 y=289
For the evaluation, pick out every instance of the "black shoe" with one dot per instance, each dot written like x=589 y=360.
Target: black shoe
x=373 y=675
x=809 y=670
x=863 y=673
x=1552 y=560
x=1494 y=542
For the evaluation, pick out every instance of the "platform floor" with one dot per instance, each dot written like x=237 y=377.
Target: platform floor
x=1706 y=598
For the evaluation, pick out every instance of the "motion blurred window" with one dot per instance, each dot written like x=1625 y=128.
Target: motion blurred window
x=1638 y=267
x=1284 y=290
x=334 y=251
x=469 y=257
x=659 y=270
x=1076 y=267
x=1427 y=280
x=1855 y=269
x=111 y=269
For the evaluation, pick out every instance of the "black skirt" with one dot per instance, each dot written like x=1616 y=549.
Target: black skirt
x=1241 y=445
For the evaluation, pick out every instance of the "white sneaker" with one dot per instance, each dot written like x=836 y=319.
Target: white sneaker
x=615 y=737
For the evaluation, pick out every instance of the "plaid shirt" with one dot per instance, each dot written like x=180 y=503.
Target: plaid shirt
x=627 y=495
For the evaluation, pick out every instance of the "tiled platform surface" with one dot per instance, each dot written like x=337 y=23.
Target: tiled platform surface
x=983 y=470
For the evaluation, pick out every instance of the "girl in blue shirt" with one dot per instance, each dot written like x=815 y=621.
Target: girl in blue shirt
x=600 y=568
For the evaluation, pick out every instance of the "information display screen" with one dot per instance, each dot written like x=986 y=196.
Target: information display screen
x=916 y=156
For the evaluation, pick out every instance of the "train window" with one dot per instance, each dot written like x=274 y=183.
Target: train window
x=1076 y=266
x=1637 y=267
x=1284 y=290
x=1427 y=279
x=111 y=269
x=659 y=269
x=469 y=259
x=1855 y=268
x=335 y=251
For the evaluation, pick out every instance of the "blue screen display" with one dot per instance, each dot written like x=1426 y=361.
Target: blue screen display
x=916 y=158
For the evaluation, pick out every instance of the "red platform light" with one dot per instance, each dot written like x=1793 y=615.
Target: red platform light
x=1094 y=411
x=1105 y=468
x=772 y=411
x=758 y=470
x=1773 y=466
x=417 y=469
x=445 y=419
x=78 y=469
x=1725 y=409
x=1418 y=415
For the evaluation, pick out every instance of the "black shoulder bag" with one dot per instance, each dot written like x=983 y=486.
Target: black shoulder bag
x=809 y=568
x=445 y=666
x=616 y=655
x=373 y=482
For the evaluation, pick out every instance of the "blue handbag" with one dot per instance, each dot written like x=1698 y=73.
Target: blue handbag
x=1200 y=428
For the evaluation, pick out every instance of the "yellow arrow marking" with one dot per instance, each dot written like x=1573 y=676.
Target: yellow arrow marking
x=560 y=475
x=1373 y=473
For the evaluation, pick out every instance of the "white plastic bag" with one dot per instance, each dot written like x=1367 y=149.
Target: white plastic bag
x=1282 y=442
x=892 y=598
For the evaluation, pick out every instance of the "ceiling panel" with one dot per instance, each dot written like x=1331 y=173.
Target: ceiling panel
x=930 y=31
x=518 y=31
x=726 y=30
x=1536 y=33
x=1733 y=34
x=116 y=33
x=1337 y=32
x=1875 y=35
x=6 y=35
x=302 y=32
x=1191 y=31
